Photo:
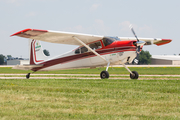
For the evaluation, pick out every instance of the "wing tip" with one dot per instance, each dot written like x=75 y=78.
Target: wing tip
x=163 y=41
x=22 y=33
x=25 y=30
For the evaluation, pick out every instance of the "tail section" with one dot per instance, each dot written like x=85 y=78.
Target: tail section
x=36 y=52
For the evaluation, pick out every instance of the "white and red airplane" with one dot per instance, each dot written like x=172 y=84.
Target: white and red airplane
x=93 y=51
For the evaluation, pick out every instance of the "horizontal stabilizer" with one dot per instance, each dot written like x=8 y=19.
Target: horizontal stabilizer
x=26 y=67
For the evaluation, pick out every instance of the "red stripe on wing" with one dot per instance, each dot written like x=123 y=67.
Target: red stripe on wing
x=27 y=33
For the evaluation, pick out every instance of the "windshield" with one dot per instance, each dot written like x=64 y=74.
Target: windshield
x=108 y=40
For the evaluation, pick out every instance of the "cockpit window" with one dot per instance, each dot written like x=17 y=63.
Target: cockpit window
x=96 y=45
x=107 y=41
x=114 y=38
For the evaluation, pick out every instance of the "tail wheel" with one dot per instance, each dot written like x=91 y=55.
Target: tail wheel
x=28 y=76
x=104 y=74
x=135 y=75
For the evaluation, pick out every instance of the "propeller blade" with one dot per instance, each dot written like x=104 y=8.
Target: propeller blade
x=134 y=32
x=139 y=43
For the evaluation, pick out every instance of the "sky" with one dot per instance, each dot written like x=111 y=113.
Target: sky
x=150 y=19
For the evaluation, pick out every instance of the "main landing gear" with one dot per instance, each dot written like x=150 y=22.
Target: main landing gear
x=134 y=75
x=105 y=74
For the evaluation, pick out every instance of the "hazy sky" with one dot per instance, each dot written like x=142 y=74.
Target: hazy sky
x=150 y=18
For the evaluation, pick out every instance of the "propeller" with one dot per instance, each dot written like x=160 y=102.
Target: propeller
x=136 y=60
x=131 y=27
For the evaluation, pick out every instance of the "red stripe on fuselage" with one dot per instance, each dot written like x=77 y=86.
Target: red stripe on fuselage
x=31 y=54
x=83 y=56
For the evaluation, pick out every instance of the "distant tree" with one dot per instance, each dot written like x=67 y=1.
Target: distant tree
x=46 y=52
x=9 y=56
x=144 y=57
x=2 y=59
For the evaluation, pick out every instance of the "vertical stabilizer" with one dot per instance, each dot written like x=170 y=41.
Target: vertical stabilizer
x=36 y=52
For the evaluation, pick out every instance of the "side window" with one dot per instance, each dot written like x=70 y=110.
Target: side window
x=107 y=41
x=84 y=49
x=81 y=50
x=77 y=51
x=96 y=45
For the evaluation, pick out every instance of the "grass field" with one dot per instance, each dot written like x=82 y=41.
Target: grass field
x=92 y=98
x=116 y=70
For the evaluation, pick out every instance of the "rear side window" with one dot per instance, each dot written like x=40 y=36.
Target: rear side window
x=84 y=49
x=77 y=51
x=81 y=50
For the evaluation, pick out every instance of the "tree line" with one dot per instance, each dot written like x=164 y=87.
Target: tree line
x=2 y=59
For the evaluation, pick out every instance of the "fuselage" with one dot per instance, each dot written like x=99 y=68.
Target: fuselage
x=113 y=50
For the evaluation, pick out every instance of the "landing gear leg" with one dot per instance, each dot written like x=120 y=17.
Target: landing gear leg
x=104 y=74
x=28 y=76
x=133 y=74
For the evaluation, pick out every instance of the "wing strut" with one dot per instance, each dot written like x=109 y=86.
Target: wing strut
x=89 y=48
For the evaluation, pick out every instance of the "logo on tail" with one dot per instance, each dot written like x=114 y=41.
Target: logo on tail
x=36 y=53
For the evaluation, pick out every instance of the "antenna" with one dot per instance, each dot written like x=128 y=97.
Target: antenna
x=96 y=30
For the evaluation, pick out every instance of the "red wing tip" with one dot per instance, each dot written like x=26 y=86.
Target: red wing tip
x=20 y=32
x=167 y=39
x=28 y=29
x=163 y=41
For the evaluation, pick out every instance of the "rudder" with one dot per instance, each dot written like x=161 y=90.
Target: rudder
x=36 y=52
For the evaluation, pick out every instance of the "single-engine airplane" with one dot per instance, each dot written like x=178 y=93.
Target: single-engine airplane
x=93 y=51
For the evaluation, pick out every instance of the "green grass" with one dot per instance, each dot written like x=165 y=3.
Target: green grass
x=91 y=76
x=119 y=70
x=91 y=99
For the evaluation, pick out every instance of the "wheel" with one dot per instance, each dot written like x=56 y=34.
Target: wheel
x=28 y=75
x=135 y=75
x=104 y=74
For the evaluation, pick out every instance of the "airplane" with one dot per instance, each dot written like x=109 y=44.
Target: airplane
x=93 y=51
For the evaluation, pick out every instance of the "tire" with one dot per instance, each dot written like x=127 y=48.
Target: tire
x=104 y=74
x=28 y=76
x=135 y=75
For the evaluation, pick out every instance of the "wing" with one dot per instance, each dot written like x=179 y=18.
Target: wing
x=67 y=37
x=149 y=41
x=57 y=36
